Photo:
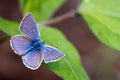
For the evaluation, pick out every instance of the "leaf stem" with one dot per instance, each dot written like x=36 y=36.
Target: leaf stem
x=58 y=19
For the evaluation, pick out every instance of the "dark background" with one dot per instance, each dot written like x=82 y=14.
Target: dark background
x=100 y=62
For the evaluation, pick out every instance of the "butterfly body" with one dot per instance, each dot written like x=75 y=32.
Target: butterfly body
x=36 y=45
x=31 y=48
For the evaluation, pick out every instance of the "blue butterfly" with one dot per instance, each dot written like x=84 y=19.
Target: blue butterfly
x=30 y=47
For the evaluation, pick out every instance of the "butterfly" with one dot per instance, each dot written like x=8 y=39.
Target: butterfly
x=30 y=47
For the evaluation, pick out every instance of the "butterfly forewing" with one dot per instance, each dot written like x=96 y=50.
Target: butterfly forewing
x=20 y=44
x=32 y=59
x=51 y=54
x=28 y=26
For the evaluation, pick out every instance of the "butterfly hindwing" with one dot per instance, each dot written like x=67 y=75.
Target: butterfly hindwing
x=33 y=59
x=28 y=26
x=51 y=54
x=20 y=44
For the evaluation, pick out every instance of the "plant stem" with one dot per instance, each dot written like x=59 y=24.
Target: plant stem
x=68 y=15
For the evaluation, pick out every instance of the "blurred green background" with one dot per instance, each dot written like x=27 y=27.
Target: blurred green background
x=100 y=62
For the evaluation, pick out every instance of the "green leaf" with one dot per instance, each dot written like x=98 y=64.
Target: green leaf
x=41 y=9
x=103 y=18
x=9 y=27
x=22 y=3
x=69 y=67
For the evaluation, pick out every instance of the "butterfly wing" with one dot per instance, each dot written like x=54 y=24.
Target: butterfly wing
x=32 y=59
x=51 y=54
x=28 y=26
x=20 y=44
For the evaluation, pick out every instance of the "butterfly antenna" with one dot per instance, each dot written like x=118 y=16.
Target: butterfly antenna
x=43 y=33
